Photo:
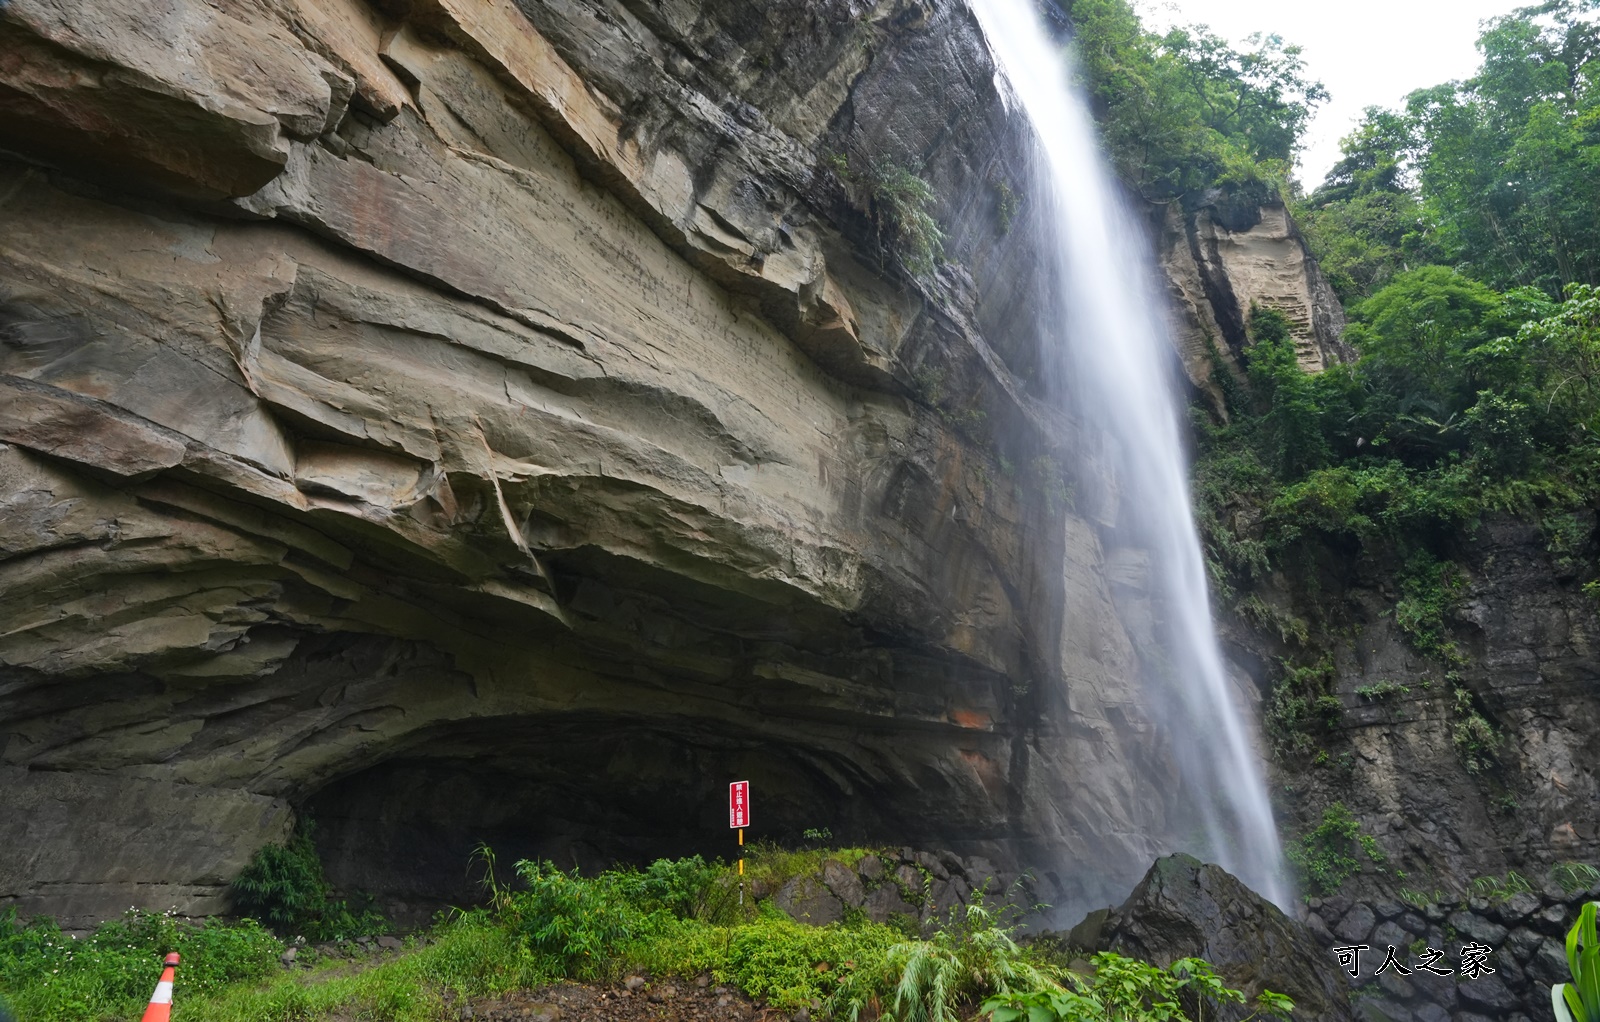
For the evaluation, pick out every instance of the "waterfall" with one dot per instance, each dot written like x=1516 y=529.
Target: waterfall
x=1117 y=355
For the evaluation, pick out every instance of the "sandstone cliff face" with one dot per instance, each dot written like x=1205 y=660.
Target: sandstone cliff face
x=471 y=421
x=1229 y=256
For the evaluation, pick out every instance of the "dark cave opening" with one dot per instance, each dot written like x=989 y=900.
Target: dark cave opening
x=582 y=790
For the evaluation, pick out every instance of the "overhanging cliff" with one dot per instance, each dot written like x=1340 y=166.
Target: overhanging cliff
x=475 y=422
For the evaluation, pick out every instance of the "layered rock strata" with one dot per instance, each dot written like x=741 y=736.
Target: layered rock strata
x=1233 y=255
x=478 y=422
x=1471 y=780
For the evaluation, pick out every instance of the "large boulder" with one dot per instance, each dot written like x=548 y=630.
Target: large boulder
x=1184 y=908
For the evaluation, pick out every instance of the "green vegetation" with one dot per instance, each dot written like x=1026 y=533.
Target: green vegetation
x=1420 y=900
x=900 y=204
x=673 y=918
x=1465 y=401
x=1497 y=889
x=1326 y=856
x=1476 y=740
x=1007 y=204
x=51 y=977
x=284 y=887
x=1457 y=405
x=1122 y=989
x=1493 y=175
x=1301 y=708
x=1579 y=1001
x=1186 y=112
x=1379 y=691
x=1463 y=234
x=1573 y=877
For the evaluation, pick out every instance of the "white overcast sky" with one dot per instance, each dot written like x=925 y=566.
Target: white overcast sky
x=1367 y=52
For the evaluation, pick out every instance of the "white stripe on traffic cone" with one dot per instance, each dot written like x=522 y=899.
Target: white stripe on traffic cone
x=160 y=1009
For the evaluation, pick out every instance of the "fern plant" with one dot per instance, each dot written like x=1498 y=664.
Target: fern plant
x=939 y=979
x=1579 y=1001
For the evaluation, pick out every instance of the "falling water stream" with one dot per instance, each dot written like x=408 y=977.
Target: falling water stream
x=1118 y=355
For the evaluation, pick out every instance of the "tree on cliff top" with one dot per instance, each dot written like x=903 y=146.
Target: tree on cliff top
x=1186 y=111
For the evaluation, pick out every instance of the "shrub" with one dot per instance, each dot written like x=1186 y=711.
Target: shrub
x=575 y=927
x=284 y=887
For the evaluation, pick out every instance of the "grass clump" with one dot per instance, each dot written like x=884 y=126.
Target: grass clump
x=1377 y=692
x=1498 y=889
x=1573 y=877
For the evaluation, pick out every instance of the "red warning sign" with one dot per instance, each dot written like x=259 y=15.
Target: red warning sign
x=739 y=804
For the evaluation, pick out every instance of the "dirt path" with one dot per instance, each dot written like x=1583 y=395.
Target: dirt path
x=667 y=1000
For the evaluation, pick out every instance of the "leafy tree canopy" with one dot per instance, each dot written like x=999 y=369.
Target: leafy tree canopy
x=1498 y=175
x=1186 y=111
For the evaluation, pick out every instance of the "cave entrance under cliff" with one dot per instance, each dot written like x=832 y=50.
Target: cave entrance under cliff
x=579 y=790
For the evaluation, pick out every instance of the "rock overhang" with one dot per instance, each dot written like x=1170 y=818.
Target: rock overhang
x=551 y=379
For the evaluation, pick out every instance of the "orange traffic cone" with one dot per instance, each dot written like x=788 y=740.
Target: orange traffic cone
x=160 y=1009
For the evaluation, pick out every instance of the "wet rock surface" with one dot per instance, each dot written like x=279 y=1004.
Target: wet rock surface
x=1462 y=776
x=1524 y=936
x=1188 y=909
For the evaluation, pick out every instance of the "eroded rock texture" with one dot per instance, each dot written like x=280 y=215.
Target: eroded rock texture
x=473 y=421
x=1456 y=772
x=1184 y=908
x=1233 y=255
